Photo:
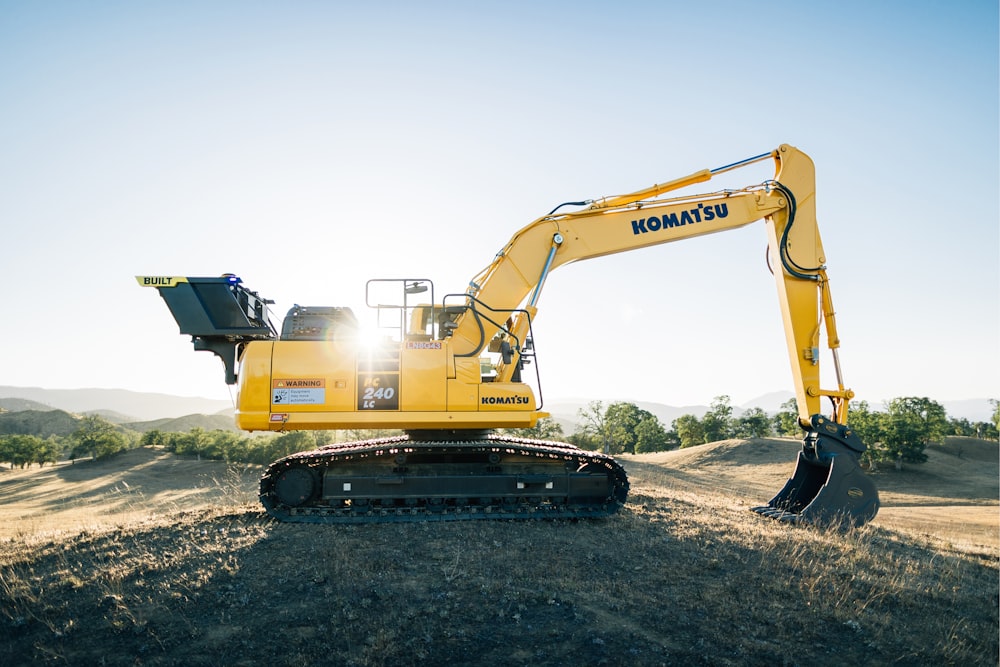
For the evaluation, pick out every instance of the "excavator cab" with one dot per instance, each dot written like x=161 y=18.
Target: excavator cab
x=828 y=485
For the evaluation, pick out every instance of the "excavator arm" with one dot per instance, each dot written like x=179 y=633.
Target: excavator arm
x=628 y=222
x=828 y=482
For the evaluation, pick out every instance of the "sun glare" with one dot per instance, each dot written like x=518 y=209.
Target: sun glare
x=371 y=336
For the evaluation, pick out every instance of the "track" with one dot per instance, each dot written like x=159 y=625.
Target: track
x=409 y=478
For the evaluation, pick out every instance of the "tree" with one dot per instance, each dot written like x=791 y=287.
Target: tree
x=621 y=420
x=98 y=437
x=233 y=446
x=545 y=429
x=689 y=431
x=754 y=423
x=289 y=443
x=986 y=431
x=786 y=420
x=192 y=442
x=154 y=438
x=671 y=439
x=19 y=450
x=218 y=443
x=583 y=441
x=931 y=415
x=961 y=426
x=47 y=451
x=868 y=426
x=650 y=436
x=717 y=421
x=620 y=428
x=594 y=425
x=900 y=441
x=908 y=426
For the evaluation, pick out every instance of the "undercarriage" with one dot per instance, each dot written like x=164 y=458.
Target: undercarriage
x=442 y=476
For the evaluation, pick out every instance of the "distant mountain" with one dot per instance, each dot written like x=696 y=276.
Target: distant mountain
x=130 y=405
x=23 y=404
x=770 y=403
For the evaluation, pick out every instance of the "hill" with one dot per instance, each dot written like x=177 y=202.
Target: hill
x=149 y=559
x=138 y=406
x=222 y=422
x=954 y=497
x=58 y=422
x=38 y=422
x=21 y=404
x=111 y=416
x=25 y=405
x=133 y=485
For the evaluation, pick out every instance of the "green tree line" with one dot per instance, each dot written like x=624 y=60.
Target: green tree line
x=234 y=447
x=898 y=435
x=98 y=438
x=94 y=436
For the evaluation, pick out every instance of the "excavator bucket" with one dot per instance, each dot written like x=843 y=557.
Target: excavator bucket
x=828 y=486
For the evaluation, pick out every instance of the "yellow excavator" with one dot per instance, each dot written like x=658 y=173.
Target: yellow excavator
x=447 y=371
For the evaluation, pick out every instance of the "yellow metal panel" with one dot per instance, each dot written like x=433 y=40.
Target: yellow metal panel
x=288 y=377
x=468 y=370
x=463 y=395
x=253 y=401
x=296 y=367
x=423 y=385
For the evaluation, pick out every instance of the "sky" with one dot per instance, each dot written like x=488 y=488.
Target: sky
x=311 y=146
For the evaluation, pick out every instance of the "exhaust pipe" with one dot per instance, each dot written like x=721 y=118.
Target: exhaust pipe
x=828 y=486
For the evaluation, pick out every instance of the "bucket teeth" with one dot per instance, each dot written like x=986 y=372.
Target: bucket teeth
x=777 y=514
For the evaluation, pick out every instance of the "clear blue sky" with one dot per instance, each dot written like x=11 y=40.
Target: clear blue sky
x=310 y=146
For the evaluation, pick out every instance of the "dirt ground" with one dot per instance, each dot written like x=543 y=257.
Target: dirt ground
x=954 y=496
x=155 y=560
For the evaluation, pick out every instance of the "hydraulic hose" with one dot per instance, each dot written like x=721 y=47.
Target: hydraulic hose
x=786 y=261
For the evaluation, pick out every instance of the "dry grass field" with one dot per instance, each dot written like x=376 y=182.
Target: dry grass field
x=150 y=559
x=138 y=485
x=954 y=498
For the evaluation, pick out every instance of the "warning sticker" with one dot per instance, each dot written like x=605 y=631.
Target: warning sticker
x=298 y=391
